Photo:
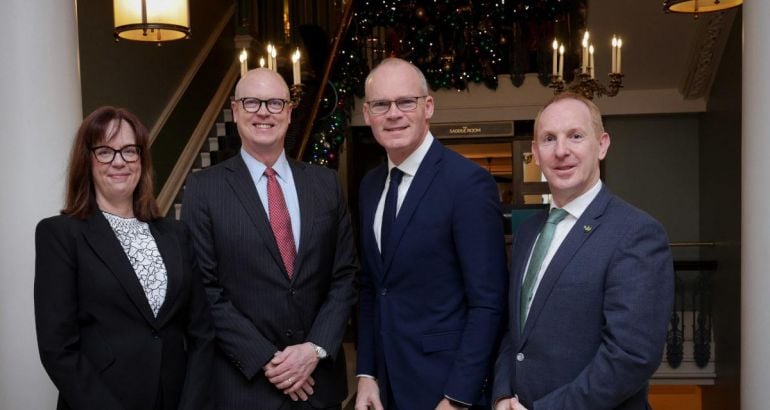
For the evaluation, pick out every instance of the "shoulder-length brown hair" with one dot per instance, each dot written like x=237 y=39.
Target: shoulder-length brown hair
x=80 y=199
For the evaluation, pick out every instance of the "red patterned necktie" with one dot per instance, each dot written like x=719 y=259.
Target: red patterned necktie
x=280 y=222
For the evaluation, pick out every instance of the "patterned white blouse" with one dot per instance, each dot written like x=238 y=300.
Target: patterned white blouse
x=142 y=251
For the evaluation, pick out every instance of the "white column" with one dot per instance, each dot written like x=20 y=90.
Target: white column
x=755 y=223
x=40 y=109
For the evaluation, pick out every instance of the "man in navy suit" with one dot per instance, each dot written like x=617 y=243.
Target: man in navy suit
x=434 y=274
x=588 y=315
x=274 y=242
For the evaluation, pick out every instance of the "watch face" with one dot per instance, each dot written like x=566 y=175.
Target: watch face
x=319 y=351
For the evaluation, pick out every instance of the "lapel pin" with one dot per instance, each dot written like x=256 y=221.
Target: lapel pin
x=587 y=228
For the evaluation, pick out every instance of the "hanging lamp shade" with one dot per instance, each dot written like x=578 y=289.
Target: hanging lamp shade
x=699 y=6
x=151 y=20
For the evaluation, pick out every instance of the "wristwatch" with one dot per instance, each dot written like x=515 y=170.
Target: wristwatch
x=319 y=351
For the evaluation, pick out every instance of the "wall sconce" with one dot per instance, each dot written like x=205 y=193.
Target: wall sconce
x=585 y=82
x=151 y=20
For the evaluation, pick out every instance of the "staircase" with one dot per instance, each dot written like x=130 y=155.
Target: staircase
x=222 y=143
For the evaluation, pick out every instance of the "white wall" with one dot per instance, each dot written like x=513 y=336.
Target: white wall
x=40 y=109
x=479 y=103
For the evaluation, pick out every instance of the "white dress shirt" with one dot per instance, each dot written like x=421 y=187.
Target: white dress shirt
x=285 y=181
x=409 y=168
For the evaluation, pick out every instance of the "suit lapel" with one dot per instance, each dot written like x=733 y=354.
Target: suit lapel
x=525 y=241
x=420 y=184
x=171 y=254
x=105 y=244
x=370 y=198
x=574 y=240
x=240 y=181
x=305 y=196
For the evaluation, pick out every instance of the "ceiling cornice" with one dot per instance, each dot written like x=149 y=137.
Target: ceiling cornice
x=706 y=54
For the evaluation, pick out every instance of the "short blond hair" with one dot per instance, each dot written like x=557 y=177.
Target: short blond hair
x=593 y=110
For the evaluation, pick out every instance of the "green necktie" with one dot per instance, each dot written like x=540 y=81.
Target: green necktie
x=538 y=254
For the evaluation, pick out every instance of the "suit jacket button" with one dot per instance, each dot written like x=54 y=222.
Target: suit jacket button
x=155 y=334
x=291 y=291
x=520 y=357
x=289 y=333
x=384 y=291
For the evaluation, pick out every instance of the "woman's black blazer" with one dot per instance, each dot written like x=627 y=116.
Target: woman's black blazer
x=98 y=339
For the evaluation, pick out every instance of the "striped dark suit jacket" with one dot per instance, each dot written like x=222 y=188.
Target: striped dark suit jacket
x=257 y=310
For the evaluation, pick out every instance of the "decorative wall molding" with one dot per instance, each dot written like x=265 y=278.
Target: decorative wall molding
x=703 y=63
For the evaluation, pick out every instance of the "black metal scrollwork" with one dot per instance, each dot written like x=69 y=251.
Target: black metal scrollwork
x=675 y=336
x=702 y=321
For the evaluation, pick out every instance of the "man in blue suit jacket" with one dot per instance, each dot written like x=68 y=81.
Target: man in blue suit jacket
x=433 y=289
x=593 y=333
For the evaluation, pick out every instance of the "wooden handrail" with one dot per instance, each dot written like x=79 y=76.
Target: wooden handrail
x=347 y=16
x=191 y=72
x=187 y=157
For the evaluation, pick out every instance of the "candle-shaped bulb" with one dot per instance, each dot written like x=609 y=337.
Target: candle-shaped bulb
x=242 y=57
x=620 y=45
x=554 y=70
x=584 y=56
x=561 y=61
x=295 y=66
x=261 y=62
x=591 y=63
x=273 y=62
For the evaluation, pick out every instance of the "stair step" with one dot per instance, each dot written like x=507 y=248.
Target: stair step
x=227 y=115
x=205 y=159
x=213 y=144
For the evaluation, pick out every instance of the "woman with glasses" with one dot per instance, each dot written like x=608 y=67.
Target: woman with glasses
x=122 y=318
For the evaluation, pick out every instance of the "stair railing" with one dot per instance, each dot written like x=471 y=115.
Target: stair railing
x=347 y=16
x=183 y=165
x=190 y=74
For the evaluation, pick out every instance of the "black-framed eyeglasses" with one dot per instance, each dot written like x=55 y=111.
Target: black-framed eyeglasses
x=105 y=154
x=404 y=104
x=273 y=105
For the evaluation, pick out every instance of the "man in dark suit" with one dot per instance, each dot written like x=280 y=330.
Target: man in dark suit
x=274 y=243
x=434 y=276
x=592 y=281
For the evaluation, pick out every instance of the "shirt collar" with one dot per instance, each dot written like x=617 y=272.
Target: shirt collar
x=412 y=162
x=577 y=206
x=257 y=169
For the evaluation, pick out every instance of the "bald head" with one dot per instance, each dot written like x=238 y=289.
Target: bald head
x=261 y=78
